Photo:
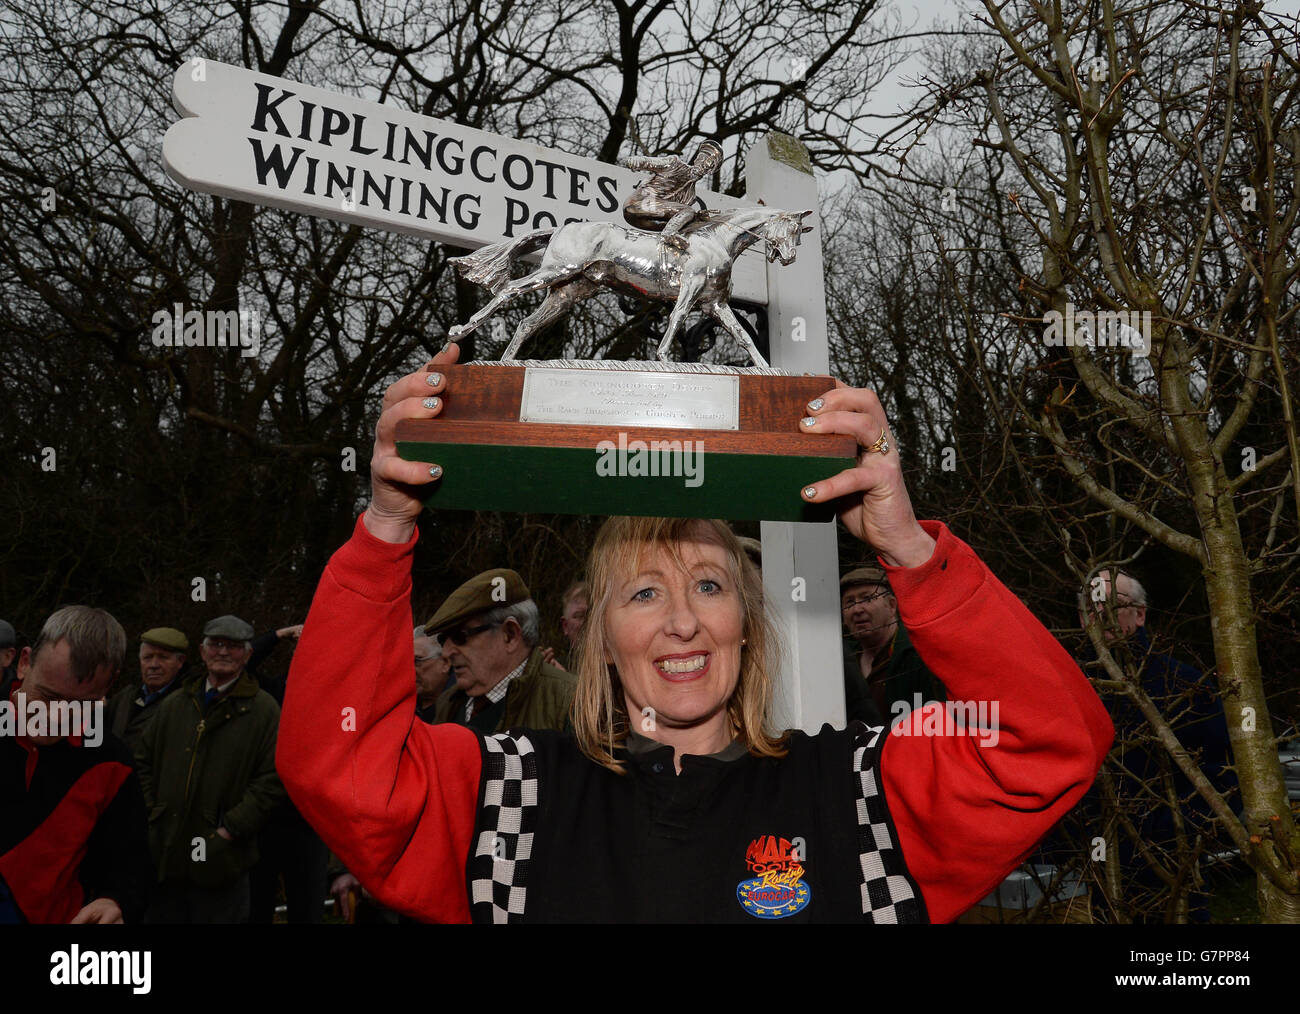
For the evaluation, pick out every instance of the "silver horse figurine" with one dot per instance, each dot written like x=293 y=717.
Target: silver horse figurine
x=583 y=256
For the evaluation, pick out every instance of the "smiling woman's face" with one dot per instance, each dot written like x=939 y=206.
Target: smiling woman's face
x=674 y=636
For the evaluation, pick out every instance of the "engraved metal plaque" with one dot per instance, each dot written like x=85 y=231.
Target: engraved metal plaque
x=631 y=398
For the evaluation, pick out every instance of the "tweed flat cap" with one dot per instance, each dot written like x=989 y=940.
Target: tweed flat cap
x=489 y=590
x=864 y=575
x=230 y=627
x=166 y=637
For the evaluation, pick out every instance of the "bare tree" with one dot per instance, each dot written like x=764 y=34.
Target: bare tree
x=175 y=464
x=1144 y=161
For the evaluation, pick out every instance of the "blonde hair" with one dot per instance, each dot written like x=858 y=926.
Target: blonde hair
x=600 y=719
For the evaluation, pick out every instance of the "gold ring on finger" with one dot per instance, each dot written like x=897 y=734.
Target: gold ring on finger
x=881 y=444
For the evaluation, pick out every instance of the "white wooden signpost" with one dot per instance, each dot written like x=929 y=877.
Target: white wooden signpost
x=265 y=140
x=252 y=137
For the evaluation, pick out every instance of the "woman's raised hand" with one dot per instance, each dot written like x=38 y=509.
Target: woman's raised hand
x=396 y=484
x=876 y=507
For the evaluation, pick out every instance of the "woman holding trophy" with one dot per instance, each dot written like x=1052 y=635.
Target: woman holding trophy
x=674 y=800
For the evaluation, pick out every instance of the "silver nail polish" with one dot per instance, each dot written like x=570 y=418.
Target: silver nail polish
x=810 y=491
x=433 y=379
x=430 y=403
x=435 y=471
x=815 y=404
x=809 y=420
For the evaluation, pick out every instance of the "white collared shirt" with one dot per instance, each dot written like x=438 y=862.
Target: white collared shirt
x=225 y=687
x=498 y=691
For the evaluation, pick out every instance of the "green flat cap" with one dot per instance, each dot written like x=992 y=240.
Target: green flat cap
x=864 y=575
x=230 y=627
x=489 y=590
x=166 y=637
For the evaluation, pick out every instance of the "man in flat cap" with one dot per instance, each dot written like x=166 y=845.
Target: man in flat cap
x=882 y=670
x=207 y=767
x=131 y=709
x=489 y=630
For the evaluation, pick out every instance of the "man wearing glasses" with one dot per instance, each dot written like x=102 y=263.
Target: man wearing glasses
x=489 y=632
x=432 y=675
x=1191 y=704
x=207 y=767
x=882 y=671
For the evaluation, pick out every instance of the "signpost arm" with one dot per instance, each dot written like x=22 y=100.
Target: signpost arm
x=800 y=561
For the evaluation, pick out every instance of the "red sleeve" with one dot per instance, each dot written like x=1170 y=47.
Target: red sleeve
x=969 y=808
x=394 y=798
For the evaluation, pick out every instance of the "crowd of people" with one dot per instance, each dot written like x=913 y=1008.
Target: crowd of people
x=460 y=770
x=193 y=824
x=201 y=739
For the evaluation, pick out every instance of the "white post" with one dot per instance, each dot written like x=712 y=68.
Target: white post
x=800 y=561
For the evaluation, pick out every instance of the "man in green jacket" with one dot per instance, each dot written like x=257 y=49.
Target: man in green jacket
x=489 y=631
x=207 y=767
x=162 y=659
x=883 y=674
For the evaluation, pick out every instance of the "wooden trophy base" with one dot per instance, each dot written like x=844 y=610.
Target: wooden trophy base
x=493 y=461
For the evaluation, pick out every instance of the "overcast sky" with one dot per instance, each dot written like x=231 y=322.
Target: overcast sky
x=922 y=14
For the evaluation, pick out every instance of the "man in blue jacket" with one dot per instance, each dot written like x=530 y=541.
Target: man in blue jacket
x=1191 y=705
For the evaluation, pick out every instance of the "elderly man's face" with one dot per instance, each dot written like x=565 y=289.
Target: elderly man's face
x=1120 y=596
x=159 y=666
x=48 y=677
x=487 y=656
x=430 y=668
x=224 y=658
x=575 y=615
x=674 y=636
x=869 y=611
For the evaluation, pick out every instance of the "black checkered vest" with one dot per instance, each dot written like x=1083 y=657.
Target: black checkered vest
x=803 y=838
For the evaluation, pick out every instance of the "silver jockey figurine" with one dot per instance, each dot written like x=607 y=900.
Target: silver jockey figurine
x=665 y=203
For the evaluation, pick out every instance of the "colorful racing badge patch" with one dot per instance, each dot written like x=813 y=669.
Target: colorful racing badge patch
x=777 y=890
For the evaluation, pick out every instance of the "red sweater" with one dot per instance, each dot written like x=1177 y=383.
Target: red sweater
x=398 y=800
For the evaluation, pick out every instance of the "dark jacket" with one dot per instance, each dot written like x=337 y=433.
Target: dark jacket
x=263 y=647
x=72 y=829
x=1191 y=704
x=201 y=772
x=538 y=698
x=128 y=715
x=905 y=676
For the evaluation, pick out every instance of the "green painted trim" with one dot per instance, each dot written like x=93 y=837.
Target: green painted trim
x=564 y=480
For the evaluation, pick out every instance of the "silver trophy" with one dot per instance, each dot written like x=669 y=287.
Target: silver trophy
x=674 y=252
